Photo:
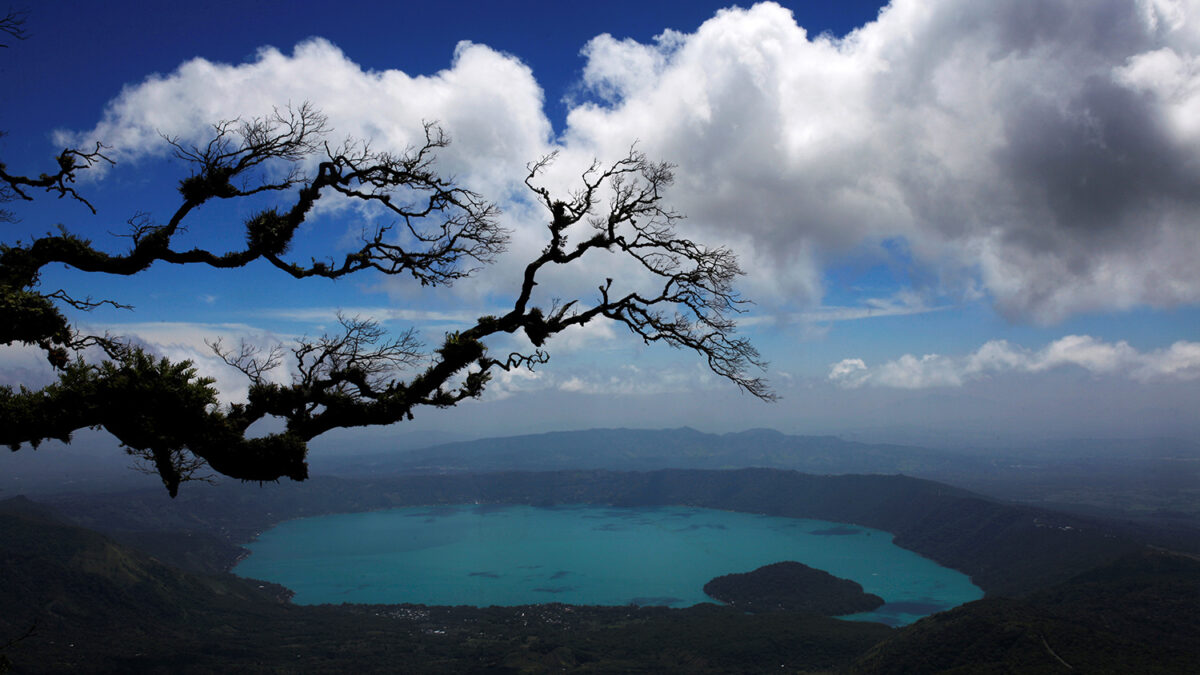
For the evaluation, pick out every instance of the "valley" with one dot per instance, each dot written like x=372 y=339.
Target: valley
x=1060 y=587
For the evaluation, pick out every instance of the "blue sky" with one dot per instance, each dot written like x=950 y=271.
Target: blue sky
x=959 y=219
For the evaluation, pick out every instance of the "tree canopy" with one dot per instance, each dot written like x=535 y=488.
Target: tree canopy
x=440 y=232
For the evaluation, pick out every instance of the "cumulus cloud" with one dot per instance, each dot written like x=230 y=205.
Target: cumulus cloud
x=1042 y=153
x=1180 y=361
x=487 y=101
x=1045 y=150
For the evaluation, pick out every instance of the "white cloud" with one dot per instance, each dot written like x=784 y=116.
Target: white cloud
x=910 y=372
x=508 y=383
x=849 y=372
x=621 y=380
x=619 y=69
x=1179 y=362
x=24 y=365
x=902 y=304
x=183 y=341
x=632 y=380
x=1087 y=353
x=1042 y=153
x=328 y=315
x=487 y=101
x=178 y=341
x=1045 y=150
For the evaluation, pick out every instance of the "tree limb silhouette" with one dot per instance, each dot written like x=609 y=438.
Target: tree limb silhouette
x=172 y=419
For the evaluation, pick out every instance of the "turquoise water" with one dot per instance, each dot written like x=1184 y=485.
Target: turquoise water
x=592 y=555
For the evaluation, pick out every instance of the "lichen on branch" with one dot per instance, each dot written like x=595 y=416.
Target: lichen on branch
x=361 y=374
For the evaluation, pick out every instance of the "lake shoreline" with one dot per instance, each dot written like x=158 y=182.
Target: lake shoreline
x=483 y=578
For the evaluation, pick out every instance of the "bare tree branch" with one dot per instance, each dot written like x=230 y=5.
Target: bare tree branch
x=249 y=359
x=12 y=24
x=70 y=162
x=238 y=146
x=356 y=361
x=695 y=305
x=362 y=374
x=86 y=304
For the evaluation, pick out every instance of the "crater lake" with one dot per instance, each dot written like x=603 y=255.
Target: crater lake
x=497 y=554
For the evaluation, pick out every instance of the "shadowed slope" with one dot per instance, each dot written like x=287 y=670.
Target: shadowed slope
x=1140 y=614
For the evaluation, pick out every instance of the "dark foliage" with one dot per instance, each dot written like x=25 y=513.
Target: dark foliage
x=1136 y=615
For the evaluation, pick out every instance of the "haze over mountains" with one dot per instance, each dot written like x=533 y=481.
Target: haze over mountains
x=1152 y=479
x=1153 y=482
x=1060 y=471
x=643 y=449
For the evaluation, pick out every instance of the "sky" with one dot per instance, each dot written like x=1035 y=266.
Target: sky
x=961 y=222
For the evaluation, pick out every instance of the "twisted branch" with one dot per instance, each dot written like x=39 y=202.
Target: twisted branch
x=361 y=375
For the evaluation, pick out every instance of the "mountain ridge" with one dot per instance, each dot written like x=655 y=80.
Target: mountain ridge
x=1004 y=548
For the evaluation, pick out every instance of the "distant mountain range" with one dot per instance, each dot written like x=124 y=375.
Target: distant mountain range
x=1005 y=548
x=687 y=448
x=1150 y=482
x=644 y=450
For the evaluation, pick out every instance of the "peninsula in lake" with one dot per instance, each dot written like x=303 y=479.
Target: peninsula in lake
x=793 y=587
